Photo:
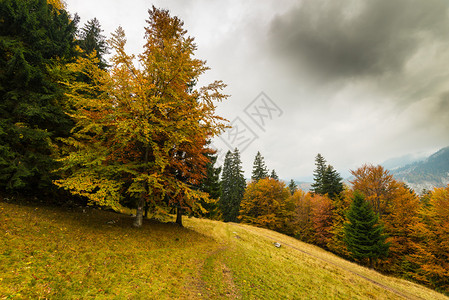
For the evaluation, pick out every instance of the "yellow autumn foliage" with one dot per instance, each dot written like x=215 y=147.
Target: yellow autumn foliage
x=59 y=4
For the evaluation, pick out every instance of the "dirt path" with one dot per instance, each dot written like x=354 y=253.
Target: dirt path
x=397 y=292
x=202 y=290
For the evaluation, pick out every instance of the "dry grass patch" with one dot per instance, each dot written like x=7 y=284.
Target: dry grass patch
x=56 y=253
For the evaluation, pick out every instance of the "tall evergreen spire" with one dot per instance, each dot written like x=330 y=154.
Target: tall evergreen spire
x=326 y=179
x=318 y=174
x=292 y=186
x=274 y=175
x=259 y=169
x=233 y=186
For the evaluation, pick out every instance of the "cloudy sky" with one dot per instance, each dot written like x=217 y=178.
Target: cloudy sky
x=357 y=81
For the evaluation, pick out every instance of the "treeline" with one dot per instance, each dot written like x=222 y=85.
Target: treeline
x=377 y=221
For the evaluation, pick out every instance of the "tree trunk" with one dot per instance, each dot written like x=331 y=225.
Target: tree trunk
x=139 y=211
x=179 y=216
x=141 y=202
x=145 y=211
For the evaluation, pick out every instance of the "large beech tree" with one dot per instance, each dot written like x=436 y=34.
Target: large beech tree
x=141 y=132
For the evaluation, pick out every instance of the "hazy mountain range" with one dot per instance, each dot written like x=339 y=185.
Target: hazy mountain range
x=422 y=172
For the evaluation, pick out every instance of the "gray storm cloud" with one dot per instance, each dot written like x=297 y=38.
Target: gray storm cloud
x=358 y=80
x=342 y=39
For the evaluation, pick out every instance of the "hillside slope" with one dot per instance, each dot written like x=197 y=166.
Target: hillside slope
x=86 y=253
x=426 y=174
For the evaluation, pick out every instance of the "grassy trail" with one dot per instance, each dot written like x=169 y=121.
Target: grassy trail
x=405 y=295
x=56 y=253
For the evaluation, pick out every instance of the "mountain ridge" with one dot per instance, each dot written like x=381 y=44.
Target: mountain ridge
x=426 y=174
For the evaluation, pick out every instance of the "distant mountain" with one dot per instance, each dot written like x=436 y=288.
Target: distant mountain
x=401 y=161
x=304 y=186
x=426 y=174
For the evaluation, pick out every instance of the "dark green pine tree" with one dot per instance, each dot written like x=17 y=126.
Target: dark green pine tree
x=326 y=179
x=292 y=187
x=233 y=186
x=211 y=185
x=332 y=183
x=364 y=236
x=226 y=186
x=318 y=175
x=274 y=175
x=91 y=39
x=33 y=38
x=259 y=169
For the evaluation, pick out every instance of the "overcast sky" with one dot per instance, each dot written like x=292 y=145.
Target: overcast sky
x=357 y=81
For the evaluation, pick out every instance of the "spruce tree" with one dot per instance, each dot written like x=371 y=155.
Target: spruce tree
x=259 y=169
x=34 y=37
x=364 y=236
x=332 y=184
x=292 y=187
x=318 y=174
x=226 y=186
x=91 y=39
x=211 y=185
x=274 y=175
x=326 y=179
x=233 y=185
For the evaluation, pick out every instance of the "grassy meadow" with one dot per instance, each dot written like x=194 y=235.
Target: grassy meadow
x=86 y=253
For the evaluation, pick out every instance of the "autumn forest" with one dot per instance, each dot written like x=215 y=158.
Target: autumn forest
x=85 y=123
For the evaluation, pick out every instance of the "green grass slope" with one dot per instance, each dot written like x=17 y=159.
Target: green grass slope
x=55 y=253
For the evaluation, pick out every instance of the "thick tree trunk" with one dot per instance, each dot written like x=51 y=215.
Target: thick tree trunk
x=179 y=216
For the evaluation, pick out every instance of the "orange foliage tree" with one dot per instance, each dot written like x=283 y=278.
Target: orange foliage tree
x=378 y=186
x=403 y=226
x=141 y=131
x=303 y=216
x=398 y=208
x=266 y=204
x=323 y=218
x=436 y=265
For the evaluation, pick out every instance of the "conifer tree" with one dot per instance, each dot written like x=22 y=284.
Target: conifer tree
x=364 y=236
x=292 y=186
x=226 y=186
x=233 y=186
x=274 y=175
x=326 y=179
x=259 y=169
x=211 y=185
x=91 y=39
x=332 y=183
x=318 y=174
x=34 y=38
